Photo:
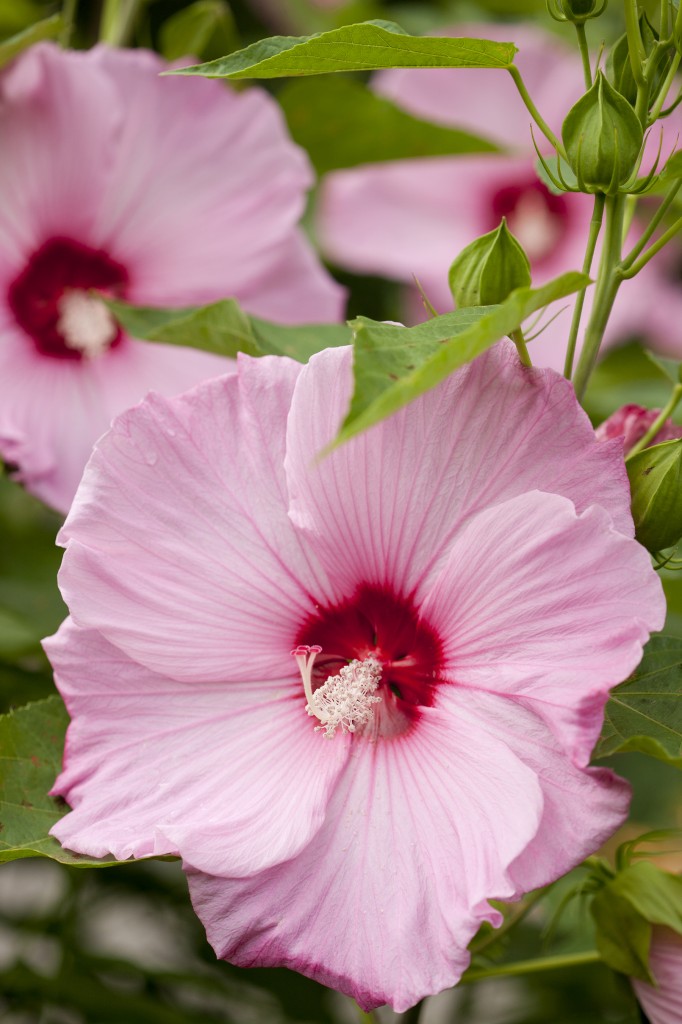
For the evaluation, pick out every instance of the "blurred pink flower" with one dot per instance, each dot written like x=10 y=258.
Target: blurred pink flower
x=468 y=562
x=631 y=422
x=168 y=192
x=412 y=217
x=663 y=1004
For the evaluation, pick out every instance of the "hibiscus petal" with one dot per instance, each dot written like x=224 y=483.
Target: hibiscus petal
x=233 y=777
x=385 y=507
x=419 y=834
x=551 y=607
x=51 y=447
x=205 y=580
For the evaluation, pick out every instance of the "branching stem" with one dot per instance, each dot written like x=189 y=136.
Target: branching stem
x=595 y=228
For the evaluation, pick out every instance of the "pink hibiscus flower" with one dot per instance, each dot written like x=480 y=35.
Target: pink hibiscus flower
x=663 y=1004
x=459 y=589
x=413 y=217
x=167 y=192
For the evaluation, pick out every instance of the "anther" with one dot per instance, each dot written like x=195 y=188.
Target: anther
x=345 y=701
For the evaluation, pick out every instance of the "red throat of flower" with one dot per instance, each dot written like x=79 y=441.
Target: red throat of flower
x=52 y=299
x=369 y=664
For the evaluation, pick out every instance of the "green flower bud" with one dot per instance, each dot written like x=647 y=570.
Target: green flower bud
x=677 y=29
x=619 y=68
x=656 y=486
x=577 y=11
x=603 y=138
x=489 y=269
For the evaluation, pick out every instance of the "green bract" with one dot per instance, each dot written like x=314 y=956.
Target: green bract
x=603 y=139
x=656 y=484
x=625 y=910
x=489 y=269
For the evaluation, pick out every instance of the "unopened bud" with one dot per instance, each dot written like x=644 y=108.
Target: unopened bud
x=489 y=269
x=577 y=11
x=603 y=139
x=631 y=422
x=656 y=486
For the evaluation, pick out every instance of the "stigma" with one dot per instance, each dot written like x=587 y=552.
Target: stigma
x=344 y=701
x=85 y=323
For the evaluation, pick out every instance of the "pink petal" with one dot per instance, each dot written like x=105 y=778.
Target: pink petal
x=484 y=101
x=548 y=607
x=179 y=547
x=232 y=777
x=582 y=808
x=419 y=834
x=663 y=1004
x=52 y=411
x=385 y=507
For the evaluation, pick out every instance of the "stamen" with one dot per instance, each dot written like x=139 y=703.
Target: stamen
x=345 y=701
x=85 y=323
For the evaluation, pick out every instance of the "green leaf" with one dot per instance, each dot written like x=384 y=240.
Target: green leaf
x=342 y=123
x=203 y=29
x=48 y=28
x=393 y=365
x=224 y=329
x=656 y=486
x=626 y=908
x=369 y=46
x=31 y=743
x=645 y=713
x=670 y=368
x=623 y=936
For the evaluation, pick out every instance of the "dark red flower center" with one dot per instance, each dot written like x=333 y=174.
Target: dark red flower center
x=376 y=623
x=536 y=216
x=52 y=299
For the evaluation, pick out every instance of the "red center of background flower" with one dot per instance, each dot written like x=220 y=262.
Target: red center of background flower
x=61 y=268
x=376 y=622
x=536 y=216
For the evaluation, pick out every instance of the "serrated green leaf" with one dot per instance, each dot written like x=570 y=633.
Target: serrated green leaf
x=645 y=713
x=31 y=744
x=203 y=29
x=342 y=123
x=368 y=46
x=655 y=476
x=224 y=329
x=47 y=28
x=393 y=365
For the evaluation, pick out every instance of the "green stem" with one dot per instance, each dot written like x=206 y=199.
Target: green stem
x=636 y=50
x=68 y=21
x=667 y=410
x=366 y=1018
x=534 y=112
x=649 y=230
x=595 y=228
x=548 y=963
x=584 y=53
x=608 y=282
x=667 y=236
x=118 y=21
x=520 y=342
x=664 y=26
x=664 y=90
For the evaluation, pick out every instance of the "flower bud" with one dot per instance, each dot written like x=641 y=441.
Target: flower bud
x=603 y=138
x=631 y=422
x=618 y=66
x=577 y=11
x=489 y=269
x=656 y=487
